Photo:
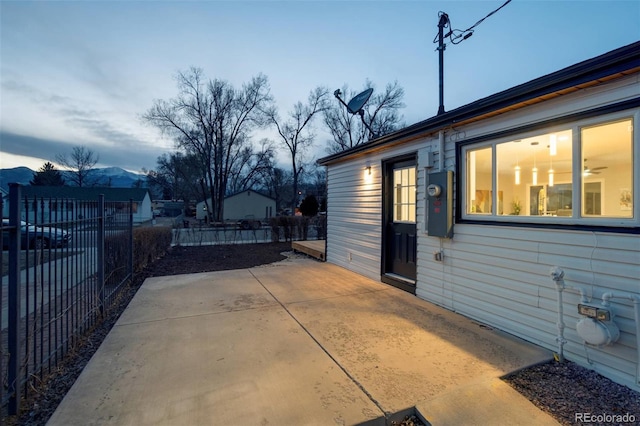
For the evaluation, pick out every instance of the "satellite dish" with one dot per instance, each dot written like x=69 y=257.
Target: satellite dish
x=355 y=105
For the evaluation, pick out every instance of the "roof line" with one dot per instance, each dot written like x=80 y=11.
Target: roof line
x=617 y=61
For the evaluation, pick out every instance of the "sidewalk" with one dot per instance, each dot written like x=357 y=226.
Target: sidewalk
x=296 y=343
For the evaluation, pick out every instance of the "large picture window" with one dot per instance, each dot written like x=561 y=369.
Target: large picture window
x=579 y=171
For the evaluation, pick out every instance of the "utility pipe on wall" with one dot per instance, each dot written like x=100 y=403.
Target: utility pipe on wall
x=557 y=275
x=636 y=311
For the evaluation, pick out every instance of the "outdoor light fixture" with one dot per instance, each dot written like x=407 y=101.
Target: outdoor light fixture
x=367 y=171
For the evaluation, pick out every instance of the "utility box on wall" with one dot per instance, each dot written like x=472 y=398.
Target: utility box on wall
x=440 y=204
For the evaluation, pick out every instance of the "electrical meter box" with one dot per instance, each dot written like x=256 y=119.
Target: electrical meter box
x=439 y=197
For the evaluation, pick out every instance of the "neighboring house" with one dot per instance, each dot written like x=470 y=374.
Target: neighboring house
x=471 y=210
x=241 y=205
x=51 y=194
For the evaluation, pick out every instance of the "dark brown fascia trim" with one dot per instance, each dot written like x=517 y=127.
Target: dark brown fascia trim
x=614 y=64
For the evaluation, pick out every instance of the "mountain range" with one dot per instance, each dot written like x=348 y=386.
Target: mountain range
x=109 y=176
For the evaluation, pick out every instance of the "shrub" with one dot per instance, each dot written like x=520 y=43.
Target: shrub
x=149 y=244
x=289 y=227
x=275 y=229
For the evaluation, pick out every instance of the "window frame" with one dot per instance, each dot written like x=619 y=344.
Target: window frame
x=574 y=123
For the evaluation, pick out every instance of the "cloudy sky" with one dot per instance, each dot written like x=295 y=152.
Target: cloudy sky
x=83 y=72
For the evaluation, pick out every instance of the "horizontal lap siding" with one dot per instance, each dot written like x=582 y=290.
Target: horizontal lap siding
x=501 y=276
x=354 y=212
x=354 y=219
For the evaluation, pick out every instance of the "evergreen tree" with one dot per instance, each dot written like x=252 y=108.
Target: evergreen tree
x=47 y=175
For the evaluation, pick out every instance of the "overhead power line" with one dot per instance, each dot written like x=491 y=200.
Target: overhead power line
x=455 y=35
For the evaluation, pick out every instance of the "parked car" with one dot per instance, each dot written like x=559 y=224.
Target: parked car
x=37 y=236
x=249 y=222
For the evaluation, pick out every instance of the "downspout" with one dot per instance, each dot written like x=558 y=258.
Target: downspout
x=636 y=310
x=557 y=275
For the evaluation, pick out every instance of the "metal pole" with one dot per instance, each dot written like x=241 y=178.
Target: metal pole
x=100 y=248
x=444 y=18
x=373 y=135
x=13 y=373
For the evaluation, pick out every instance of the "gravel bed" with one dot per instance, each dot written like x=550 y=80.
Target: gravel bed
x=574 y=395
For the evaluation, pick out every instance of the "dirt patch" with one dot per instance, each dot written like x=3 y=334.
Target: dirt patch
x=194 y=259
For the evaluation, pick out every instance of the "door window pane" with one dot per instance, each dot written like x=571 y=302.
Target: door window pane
x=404 y=194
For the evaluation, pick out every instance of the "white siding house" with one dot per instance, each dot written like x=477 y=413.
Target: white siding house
x=544 y=175
x=241 y=205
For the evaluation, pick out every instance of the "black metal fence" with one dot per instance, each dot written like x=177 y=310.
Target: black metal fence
x=63 y=263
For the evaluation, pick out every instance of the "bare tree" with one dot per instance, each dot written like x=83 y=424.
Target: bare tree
x=249 y=169
x=296 y=134
x=275 y=182
x=381 y=113
x=80 y=162
x=174 y=177
x=213 y=121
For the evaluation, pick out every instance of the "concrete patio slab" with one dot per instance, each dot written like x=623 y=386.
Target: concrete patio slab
x=297 y=342
x=401 y=349
x=195 y=294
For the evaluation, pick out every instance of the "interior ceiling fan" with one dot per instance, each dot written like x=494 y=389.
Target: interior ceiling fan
x=587 y=171
x=591 y=171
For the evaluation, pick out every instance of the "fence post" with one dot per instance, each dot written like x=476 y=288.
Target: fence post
x=13 y=373
x=131 y=239
x=100 y=248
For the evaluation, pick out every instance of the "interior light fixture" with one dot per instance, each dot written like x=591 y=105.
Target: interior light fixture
x=534 y=171
x=517 y=165
x=550 y=169
x=553 y=149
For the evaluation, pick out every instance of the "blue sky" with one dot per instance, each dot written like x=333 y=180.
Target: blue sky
x=82 y=72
